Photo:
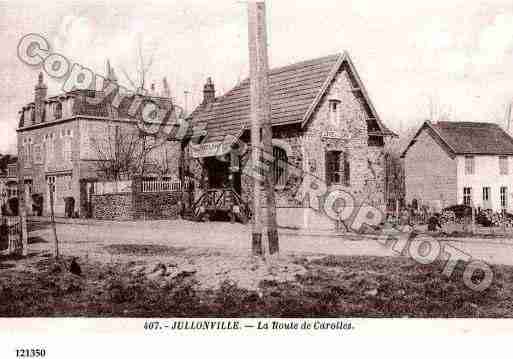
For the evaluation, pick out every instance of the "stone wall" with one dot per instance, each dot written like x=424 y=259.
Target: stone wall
x=367 y=163
x=158 y=205
x=137 y=205
x=288 y=138
x=113 y=206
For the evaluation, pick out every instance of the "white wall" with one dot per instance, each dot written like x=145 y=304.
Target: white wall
x=486 y=174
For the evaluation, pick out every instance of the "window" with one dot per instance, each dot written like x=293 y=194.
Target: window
x=504 y=197
x=27 y=152
x=67 y=149
x=503 y=165
x=486 y=194
x=375 y=141
x=469 y=165
x=337 y=168
x=58 y=110
x=467 y=196
x=50 y=150
x=333 y=113
x=50 y=180
x=279 y=166
x=334 y=105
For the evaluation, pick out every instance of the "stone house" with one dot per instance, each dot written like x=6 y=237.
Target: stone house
x=470 y=163
x=58 y=142
x=324 y=126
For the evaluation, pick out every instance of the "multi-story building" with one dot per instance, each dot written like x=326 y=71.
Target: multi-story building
x=64 y=140
x=470 y=163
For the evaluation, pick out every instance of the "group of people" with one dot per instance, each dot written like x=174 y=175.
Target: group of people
x=409 y=214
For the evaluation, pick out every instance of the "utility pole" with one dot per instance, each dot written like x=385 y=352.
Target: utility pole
x=256 y=230
x=22 y=206
x=261 y=130
x=51 y=190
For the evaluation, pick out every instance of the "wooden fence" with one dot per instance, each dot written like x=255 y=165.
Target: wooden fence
x=10 y=235
x=164 y=186
x=112 y=187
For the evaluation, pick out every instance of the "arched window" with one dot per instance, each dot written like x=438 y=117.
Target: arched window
x=279 y=166
x=58 y=110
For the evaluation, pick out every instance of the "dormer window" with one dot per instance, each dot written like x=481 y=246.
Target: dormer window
x=58 y=110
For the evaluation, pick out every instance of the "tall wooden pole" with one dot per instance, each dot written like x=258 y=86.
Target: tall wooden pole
x=22 y=206
x=267 y=135
x=52 y=220
x=256 y=230
x=261 y=126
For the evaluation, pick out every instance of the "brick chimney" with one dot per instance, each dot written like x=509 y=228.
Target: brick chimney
x=39 y=98
x=209 y=92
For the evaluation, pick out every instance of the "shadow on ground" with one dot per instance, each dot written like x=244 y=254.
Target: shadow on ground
x=144 y=249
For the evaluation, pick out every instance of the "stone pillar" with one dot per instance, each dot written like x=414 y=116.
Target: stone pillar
x=84 y=199
x=136 y=192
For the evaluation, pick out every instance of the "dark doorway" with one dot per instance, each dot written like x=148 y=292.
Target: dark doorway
x=218 y=172
x=237 y=182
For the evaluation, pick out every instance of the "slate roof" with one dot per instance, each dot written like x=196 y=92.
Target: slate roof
x=295 y=90
x=470 y=138
x=100 y=108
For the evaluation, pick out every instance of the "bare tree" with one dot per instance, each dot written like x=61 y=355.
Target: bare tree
x=138 y=81
x=438 y=111
x=128 y=152
x=394 y=175
x=121 y=153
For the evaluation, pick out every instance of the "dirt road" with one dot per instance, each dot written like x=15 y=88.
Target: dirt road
x=89 y=239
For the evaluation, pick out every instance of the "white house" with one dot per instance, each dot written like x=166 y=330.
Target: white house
x=450 y=163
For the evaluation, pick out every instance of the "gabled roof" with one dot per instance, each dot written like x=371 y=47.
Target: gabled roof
x=296 y=91
x=468 y=138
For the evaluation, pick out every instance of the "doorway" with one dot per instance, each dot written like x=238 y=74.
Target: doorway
x=218 y=173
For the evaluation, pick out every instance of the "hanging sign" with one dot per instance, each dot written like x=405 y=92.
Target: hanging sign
x=210 y=149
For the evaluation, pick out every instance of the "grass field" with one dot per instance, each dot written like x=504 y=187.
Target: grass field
x=298 y=286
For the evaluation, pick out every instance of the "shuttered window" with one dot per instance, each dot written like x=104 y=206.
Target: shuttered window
x=469 y=165
x=467 y=196
x=504 y=197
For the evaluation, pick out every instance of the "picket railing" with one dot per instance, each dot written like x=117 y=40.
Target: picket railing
x=112 y=187
x=164 y=186
x=10 y=235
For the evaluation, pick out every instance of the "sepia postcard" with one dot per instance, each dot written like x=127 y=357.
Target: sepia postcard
x=236 y=169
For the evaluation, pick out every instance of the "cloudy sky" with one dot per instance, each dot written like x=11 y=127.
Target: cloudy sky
x=456 y=54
